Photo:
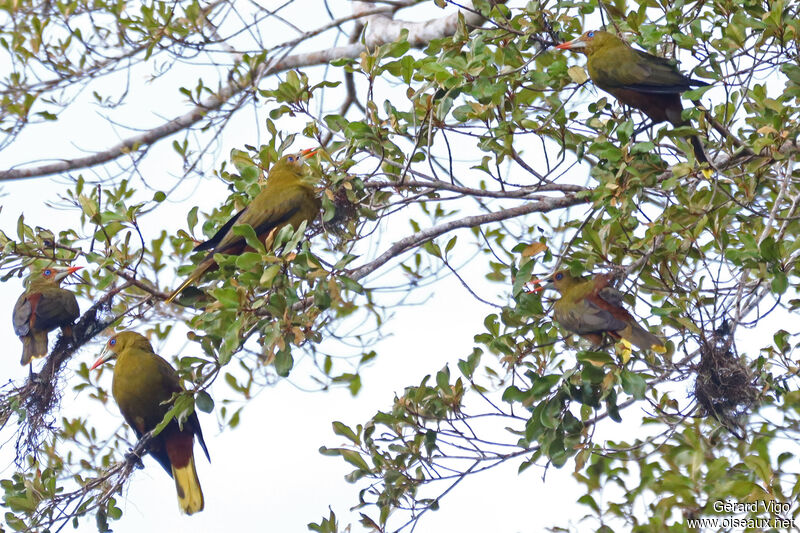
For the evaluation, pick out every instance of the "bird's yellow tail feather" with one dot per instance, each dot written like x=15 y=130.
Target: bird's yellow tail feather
x=190 y=495
x=194 y=276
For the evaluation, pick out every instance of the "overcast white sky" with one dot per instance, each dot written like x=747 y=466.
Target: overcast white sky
x=267 y=475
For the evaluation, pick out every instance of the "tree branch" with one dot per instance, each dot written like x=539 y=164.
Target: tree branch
x=412 y=241
x=422 y=33
x=521 y=193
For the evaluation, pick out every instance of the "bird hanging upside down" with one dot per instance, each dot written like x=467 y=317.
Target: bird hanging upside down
x=43 y=307
x=640 y=80
x=592 y=308
x=286 y=199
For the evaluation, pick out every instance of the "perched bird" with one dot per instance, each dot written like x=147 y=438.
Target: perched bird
x=649 y=83
x=592 y=307
x=286 y=199
x=142 y=386
x=43 y=307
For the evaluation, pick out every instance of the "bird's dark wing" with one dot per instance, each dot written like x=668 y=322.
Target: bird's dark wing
x=57 y=307
x=194 y=424
x=611 y=296
x=171 y=382
x=22 y=316
x=275 y=220
x=220 y=234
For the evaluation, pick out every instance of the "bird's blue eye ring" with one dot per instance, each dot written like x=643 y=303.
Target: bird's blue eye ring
x=559 y=276
x=47 y=272
x=112 y=342
x=290 y=159
x=590 y=34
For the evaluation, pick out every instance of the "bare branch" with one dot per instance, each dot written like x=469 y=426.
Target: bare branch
x=426 y=31
x=412 y=241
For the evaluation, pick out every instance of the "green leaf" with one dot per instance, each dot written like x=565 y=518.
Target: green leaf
x=514 y=394
x=633 y=384
x=543 y=385
x=468 y=366
x=351 y=285
x=248 y=260
x=230 y=342
x=780 y=283
x=182 y=408
x=430 y=441
x=268 y=275
x=341 y=429
x=523 y=277
x=204 y=402
x=355 y=459
x=769 y=249
x=295 y=237
x=283 y=362
x=595 y=358
x=443 y=379
x=249 y=234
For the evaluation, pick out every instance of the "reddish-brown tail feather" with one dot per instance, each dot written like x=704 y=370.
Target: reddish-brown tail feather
x=179 y=450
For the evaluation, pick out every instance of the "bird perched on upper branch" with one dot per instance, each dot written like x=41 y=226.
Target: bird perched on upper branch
x=43 y=307
x=646 y=82
x=143 y=385
x=592 y=307
x=286 y=199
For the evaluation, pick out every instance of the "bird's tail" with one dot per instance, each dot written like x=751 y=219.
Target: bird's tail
x=699 y=151
x=194 y=276
x=33 y=345
x=190 y=495
x=694 y=140
x=641 y=338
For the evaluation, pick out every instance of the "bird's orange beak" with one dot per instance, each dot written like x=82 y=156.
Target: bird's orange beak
x=67 y=272
x=105 y=356
x=537 y=287
x=571 y=45
x=309 y=152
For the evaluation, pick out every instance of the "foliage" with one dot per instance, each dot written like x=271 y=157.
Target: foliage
x=488 y=147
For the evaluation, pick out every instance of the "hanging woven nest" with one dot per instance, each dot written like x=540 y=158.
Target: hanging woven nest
x=725 y=387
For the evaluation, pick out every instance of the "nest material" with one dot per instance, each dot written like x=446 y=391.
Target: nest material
x=344 y=211
x=725 y=387
x=38 y=398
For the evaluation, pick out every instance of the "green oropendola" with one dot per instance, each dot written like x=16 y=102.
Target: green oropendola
x=43 y=307
x=286 y=199
x=646 y=82
x=142 y=386
x=592 y=307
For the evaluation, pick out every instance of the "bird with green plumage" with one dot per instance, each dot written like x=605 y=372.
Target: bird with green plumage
x=287 y=198
x=637 y=79
x=143 y=386
x=43 y=307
